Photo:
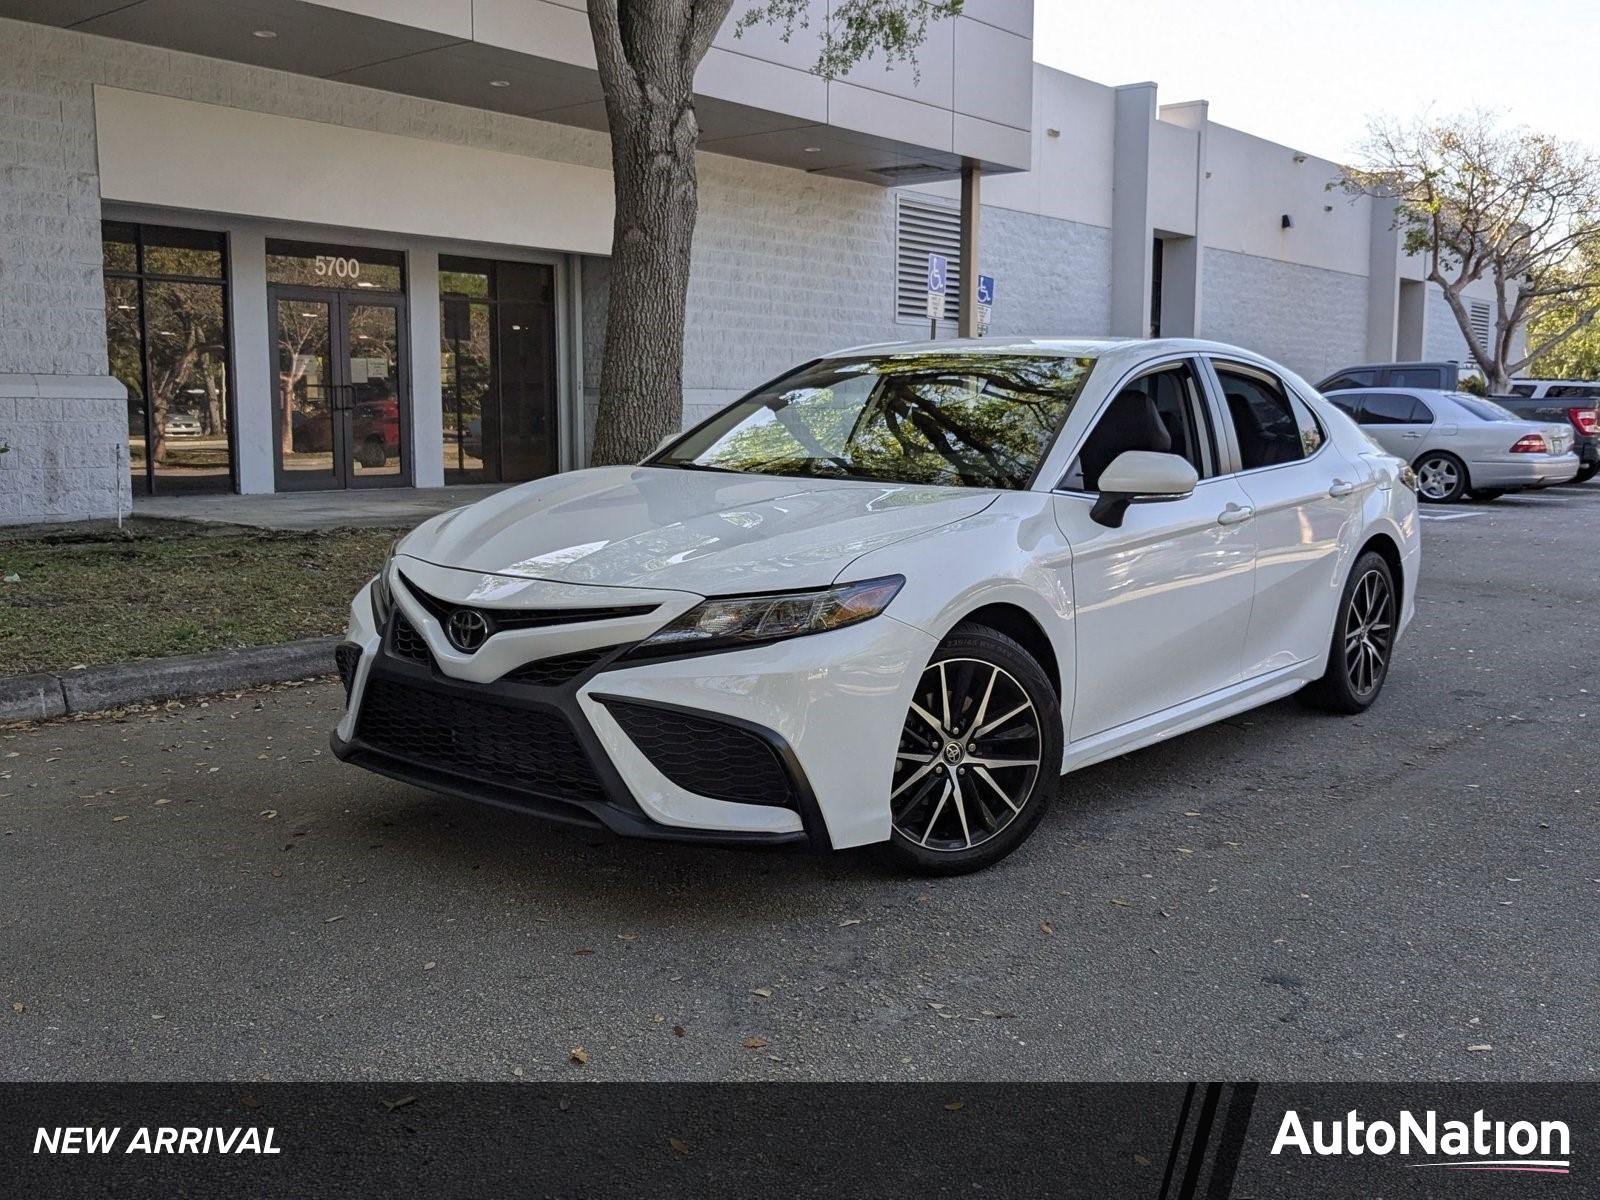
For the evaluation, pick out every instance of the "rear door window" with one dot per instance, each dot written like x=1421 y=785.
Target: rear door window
x=1418 y=377
x=1264 y=421
x=1349 y=379
x=1393 y=408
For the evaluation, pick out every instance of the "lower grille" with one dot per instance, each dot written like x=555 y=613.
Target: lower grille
x=407 y=642
x=347 y=657
x=707 y=756
x=524 y=749
x=558 y=668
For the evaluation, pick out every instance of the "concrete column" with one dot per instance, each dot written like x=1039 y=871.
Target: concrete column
x=1412 y=321
x=427 y=402
x=1131 y=231
x=971 y=216
x=1383 y=282
x=254 y=374
x=1183 y=258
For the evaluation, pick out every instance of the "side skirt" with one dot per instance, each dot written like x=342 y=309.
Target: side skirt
x=1193 y=714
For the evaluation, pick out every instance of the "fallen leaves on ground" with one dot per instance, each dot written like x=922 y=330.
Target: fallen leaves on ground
x=580 y=1055
x=754 y=1043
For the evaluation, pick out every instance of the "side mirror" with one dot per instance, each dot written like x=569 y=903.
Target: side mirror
x=1141 y=475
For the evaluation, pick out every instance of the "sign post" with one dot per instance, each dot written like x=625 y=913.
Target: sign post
x=937 y=269
x=985 y=302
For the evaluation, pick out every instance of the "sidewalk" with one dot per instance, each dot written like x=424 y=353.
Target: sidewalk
x=372 y=508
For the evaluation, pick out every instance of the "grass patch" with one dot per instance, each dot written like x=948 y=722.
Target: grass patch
x=91 y=593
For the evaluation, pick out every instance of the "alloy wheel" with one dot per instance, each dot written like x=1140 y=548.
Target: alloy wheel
x=968 y=757
x=1368 y=633
x=1437 y=478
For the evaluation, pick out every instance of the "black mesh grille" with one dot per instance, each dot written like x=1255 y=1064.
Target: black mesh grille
x=407 y=642
x=528 y=750
x=347 y=657
x=557 y=669
x=525 y=618
x=706 y=756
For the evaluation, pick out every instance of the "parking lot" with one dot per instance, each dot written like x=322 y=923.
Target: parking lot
x=1414 y=893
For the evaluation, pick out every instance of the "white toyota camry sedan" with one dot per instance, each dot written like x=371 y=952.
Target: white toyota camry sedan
x=892 y=597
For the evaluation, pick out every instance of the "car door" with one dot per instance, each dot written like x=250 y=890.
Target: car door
x=1163 y=602
x=1396 y=421
x=1303 y=494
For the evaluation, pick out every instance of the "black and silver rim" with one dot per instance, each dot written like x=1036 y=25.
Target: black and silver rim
x=1438 y=478
x=968 y=757
x=1368 y=633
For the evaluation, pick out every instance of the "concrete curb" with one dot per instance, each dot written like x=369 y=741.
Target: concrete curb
x=36 y=697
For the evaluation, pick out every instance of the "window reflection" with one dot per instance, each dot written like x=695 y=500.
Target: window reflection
x=167 y=342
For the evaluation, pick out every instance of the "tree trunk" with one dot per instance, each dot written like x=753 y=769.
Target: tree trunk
x=647 y=52
x=641 y=378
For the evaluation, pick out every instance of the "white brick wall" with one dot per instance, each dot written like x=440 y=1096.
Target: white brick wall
x=1311 y=320
x=1052 y=277
x=67 y=440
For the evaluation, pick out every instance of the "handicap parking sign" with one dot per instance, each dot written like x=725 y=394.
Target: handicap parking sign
x=936 y=273
x=985 y=289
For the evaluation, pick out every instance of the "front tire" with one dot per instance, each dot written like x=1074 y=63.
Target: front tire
x=1363 y=639
x=1441 y=478
x=979 y=756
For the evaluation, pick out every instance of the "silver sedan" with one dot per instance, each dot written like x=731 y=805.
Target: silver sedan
x=1461 y=444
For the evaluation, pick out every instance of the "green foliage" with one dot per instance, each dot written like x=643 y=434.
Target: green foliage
x=857 y=29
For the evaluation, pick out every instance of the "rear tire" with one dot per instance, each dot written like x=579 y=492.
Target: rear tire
x=979 y=756
x=1441 y=478
x=1587 y=472
x=1486 y=495
x=1362 y=645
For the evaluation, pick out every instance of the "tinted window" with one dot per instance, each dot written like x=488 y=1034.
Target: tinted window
x=1391 y=408
x=1345 y=404
x=1263 y=419
x=1162 y=411
x=1522 y=389
x=975 y=420
x=1572 y=391
x=1422 y=377
x=1349 y=379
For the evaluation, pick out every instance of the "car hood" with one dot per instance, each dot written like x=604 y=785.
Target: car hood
x=696 y=531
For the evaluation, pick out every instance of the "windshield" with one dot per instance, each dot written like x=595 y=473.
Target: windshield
x=1484 y=410
x=962 y=419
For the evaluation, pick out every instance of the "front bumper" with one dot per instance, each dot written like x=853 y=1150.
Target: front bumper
x=1523 y=471
x=826 y=708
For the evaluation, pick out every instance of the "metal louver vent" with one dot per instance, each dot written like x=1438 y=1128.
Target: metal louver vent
x=924 y=227
x=1478 y=315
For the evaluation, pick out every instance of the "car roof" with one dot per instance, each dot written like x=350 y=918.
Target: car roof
x=1117 y=349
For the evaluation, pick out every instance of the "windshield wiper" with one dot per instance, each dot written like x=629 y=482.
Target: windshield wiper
x=694 y=466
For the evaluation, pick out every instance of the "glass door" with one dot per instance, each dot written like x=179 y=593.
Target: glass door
x=341 y=407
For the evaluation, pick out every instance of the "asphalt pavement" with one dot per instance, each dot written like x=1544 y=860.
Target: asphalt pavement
x=204 y=892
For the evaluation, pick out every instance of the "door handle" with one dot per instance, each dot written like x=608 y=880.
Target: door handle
x=1341 y=488
x=1413 y=434
x=1235 y=515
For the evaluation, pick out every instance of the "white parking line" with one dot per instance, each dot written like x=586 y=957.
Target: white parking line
x=1450 y=516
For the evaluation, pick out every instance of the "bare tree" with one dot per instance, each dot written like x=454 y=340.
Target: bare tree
x=647 y=52
x=1517 y=208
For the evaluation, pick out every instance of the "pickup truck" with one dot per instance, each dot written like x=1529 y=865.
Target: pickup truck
x=1583 y=414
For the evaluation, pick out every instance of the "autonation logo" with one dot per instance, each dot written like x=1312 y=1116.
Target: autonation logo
x=1476 y=1145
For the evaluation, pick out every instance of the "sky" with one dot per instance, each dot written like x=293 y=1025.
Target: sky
x=1311 y=75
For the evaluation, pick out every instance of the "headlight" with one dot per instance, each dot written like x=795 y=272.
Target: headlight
x=731 y=622
x=382 y=595
x=1408 y=477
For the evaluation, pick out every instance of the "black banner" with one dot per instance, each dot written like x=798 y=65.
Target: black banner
x=1160 y=1141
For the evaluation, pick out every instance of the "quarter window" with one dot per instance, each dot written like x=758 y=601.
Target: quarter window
x=1264 y=421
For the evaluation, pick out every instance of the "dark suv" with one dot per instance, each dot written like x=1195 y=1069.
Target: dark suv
x=1436 y=376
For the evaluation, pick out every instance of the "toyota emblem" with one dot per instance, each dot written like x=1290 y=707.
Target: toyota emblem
x=468 y=629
